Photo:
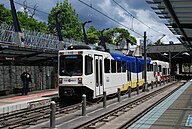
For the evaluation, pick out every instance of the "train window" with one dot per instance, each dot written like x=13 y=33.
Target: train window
x=155 y=68
x=97 y=72
x=151 y=67
x=128 y=76
x=148 y=67
x=88 y=65
x=101 y=73
x=159 y=68
x=163 y=72
x=140 y=67
x=71 y=65
x=133 y=67
x=107 y=65
x=129 y=67
x=118 y=66
x=123 y=66
x=113 y=66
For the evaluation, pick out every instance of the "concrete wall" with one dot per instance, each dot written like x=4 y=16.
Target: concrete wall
x=43 y=77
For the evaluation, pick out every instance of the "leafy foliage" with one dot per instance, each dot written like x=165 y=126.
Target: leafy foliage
x=5 y=16
x=68 y=19
x=112 y=36
x=70 y=26
x=92 y=35
x=25 y=21
x=29 y=23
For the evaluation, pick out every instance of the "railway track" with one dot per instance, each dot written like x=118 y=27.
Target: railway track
x=113 y=114
x=25 y=118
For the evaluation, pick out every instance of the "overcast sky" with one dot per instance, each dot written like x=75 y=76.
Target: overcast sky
x=139 y=8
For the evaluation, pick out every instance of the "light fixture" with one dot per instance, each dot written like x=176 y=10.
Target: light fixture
x=186 y=53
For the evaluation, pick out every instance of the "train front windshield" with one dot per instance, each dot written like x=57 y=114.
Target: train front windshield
x=71 y=65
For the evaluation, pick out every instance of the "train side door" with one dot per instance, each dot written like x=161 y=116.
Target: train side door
x=98 y=75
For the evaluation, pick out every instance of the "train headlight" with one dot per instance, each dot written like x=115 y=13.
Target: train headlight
x=79 y=80
x=60 y=80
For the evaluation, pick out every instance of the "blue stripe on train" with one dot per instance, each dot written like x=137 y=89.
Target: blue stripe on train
x=130 y=61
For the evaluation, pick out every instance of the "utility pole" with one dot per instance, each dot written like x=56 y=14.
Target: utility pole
x=58 y=26
x=59 y=29
x=19 y=39
x=170 y=69
x=145 y=63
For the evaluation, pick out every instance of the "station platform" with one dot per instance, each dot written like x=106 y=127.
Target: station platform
x=175 y=112
x=17 y=102
x=74 y=119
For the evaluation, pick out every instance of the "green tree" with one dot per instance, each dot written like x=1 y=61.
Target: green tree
x=132 y=39
x=117 y=34
x=25 y=21
x=5 y=16
x=92 y=35
x=68 y=19
x=29 y=23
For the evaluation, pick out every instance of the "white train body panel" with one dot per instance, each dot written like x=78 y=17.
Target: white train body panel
x=162 y=69
x=91 y=72
x=105 y=82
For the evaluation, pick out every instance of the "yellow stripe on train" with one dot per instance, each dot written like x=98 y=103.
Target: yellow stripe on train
x=132 y=84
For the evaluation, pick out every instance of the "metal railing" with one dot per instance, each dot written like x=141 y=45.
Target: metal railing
x=7 y=34
x=40 y=40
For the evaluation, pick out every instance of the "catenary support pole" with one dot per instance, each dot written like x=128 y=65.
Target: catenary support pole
x=145 y=63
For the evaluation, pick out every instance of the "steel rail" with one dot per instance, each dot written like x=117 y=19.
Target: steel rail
x=106 y=117
x=32 y=116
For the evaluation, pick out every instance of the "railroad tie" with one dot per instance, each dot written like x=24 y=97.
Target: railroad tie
x=97 y=125
x=110 y=118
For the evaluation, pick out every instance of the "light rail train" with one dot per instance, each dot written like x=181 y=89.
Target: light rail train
x=82 y=70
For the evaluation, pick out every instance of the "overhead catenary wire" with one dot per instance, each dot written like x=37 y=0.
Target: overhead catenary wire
x=32 y=8
x=93 y=9
x=136 y=17
x=109 y=17
x=91 y=6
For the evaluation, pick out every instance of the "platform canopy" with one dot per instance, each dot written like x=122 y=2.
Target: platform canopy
x=179 y=16
x=10 y=54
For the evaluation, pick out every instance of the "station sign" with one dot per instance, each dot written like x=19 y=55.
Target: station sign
x=7 y=58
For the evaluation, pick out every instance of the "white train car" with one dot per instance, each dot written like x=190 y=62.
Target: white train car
x=86 y=71
x=161 y=70
x=150 y=73
x=89 y=72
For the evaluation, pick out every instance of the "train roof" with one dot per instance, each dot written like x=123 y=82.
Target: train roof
x=114 y=55
x=84 y=47
x=128 y=58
